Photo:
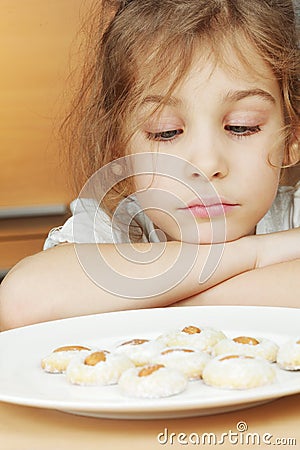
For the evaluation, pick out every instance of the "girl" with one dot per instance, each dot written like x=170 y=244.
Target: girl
x=188 y=113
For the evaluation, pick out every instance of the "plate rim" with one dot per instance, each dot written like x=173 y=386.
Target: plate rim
x=147 y=407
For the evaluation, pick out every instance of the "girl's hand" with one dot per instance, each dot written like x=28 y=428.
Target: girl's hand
x=277 y=247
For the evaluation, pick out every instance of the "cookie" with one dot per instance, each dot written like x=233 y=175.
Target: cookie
x=97 y=368
x=58 y=360
x=288 y=356
x=247 y=346
x=152 y=381
x=238 y=372
x=140 y=351
x=188 y=361
x=203 y=339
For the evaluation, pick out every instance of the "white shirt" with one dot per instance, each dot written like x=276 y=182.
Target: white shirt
x=90 y=224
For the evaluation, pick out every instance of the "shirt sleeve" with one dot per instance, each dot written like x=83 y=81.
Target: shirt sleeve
x=289 y=201
x=296 y=206
x=88 y=224
x=284 y=213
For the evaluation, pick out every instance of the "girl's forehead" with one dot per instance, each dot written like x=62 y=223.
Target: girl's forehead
x=236 y=66
x=229 y=66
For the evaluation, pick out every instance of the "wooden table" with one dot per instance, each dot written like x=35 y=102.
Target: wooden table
x=28 y=428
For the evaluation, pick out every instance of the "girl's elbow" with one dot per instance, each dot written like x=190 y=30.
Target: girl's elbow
x=15 y=298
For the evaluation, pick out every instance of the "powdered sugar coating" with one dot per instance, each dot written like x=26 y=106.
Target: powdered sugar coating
x=163 y=382
x=238 y=372
x=58 y=361
x=103 y=373
x=140 y=351
x=288 y=356
x=265 y=348
x=204 y=340
x=190 y=362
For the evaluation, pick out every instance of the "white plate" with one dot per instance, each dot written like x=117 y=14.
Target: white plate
x=22 y=381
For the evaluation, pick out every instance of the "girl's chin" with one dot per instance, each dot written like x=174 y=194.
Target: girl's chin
x=212 y=236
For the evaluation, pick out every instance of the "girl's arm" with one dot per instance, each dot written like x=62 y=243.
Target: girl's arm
x=276 y=285
x=53 y=285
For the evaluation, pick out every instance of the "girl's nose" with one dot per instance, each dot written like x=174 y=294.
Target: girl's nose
x=209 y=163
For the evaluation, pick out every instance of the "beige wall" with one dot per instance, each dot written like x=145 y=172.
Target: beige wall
x=36 y=38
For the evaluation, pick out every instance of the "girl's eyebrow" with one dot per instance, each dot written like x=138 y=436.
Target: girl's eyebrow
x=160 y=99
x=235 y=96
x=231 y=96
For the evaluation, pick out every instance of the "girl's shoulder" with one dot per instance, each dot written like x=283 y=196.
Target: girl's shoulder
x=91 y=224
x=284 y=213
x=80 y=227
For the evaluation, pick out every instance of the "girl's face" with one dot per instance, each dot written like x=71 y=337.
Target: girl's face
x=215 y=151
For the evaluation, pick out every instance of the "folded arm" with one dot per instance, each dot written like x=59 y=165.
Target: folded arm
x=275 y=285
x=56 y=284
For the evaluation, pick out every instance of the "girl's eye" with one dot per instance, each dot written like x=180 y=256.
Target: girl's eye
x=169 y=135
x=242 y=130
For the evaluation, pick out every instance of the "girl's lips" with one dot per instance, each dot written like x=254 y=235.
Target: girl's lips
x=210 y=211
x=209 y=208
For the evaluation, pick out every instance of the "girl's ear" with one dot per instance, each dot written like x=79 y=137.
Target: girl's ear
x=292 y=155
x=290 y=167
